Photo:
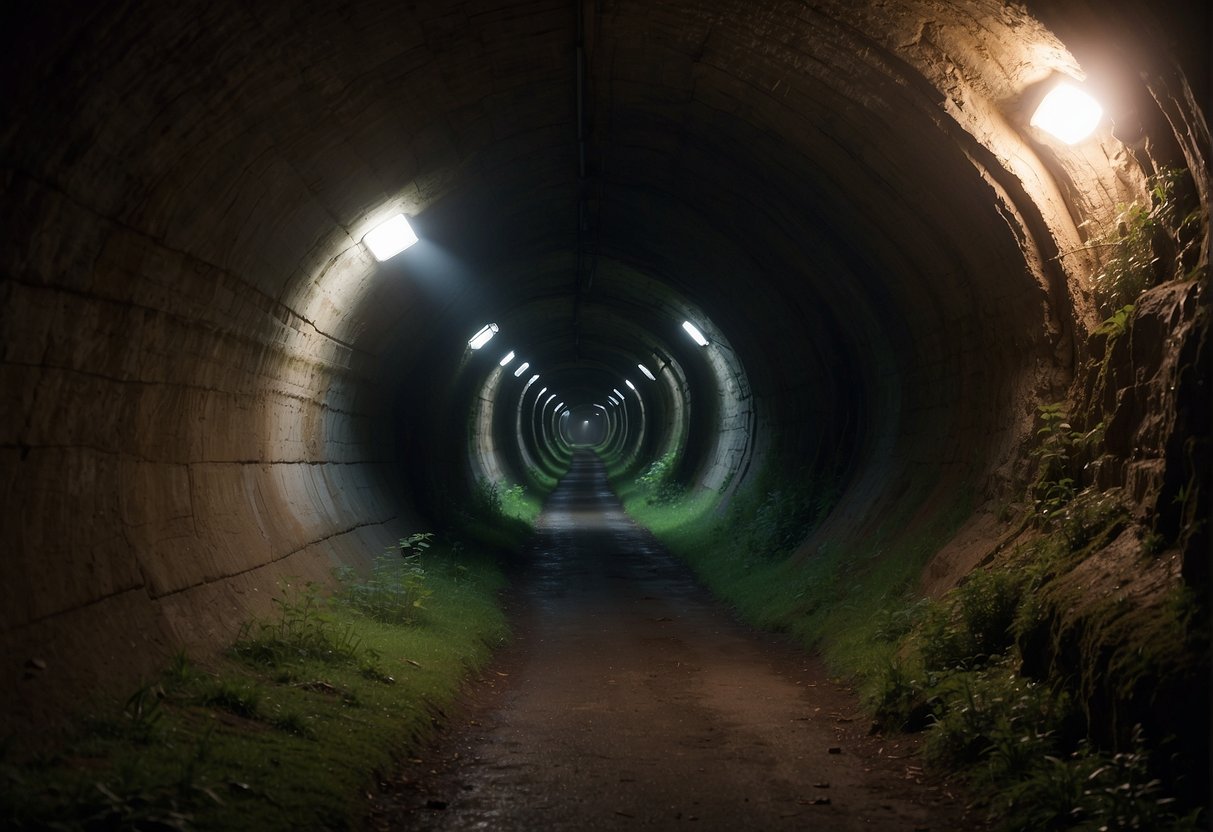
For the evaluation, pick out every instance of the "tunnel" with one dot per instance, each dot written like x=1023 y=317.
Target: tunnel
x=814 y=241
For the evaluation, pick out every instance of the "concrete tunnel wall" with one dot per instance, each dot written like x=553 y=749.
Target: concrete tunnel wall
x=210 y=385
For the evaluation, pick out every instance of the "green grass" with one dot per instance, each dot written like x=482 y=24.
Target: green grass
x=950 y=666
x=280 y=733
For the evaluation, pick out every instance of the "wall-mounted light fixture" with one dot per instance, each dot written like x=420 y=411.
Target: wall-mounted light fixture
x=521 y=368
x=534 y=379
x=695 y=334
x=1067 y=113
x=647 y=372
x=390 y=237
x=483 y=336
x=507 y=358
x=629 y=384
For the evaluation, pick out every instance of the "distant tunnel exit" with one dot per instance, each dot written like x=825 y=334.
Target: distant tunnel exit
x=584 y=425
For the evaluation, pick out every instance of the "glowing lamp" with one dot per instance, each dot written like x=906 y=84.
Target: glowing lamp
x=521 y=368
x=509 y=356
x=389 y=238
x=695 y=334
x=629 y=384
x=1068 y=113
x=647 y=372
x=482 y=337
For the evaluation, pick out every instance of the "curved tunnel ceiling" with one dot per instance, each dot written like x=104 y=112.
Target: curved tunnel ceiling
x=847 y=195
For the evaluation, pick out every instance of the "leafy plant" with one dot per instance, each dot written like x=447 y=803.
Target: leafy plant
x=394 y=593
x=302 y=631
x=1135 y=248
x=415 y=544
x=1057 y=454
x=657 y=472
x=974 y=623
x=1116 y=324
x=142 y=711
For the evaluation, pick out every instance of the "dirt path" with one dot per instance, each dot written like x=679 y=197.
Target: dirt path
x=632 y=699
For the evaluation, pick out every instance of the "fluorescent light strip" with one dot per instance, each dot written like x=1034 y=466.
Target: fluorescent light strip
x=482 y=337
x=647 y=372
x=521 y=368
x=695 y=334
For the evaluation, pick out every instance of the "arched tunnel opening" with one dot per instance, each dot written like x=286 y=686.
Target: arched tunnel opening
x=893 y=363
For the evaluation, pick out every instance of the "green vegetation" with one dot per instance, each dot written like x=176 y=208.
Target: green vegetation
x=1144 y=239
x=1011 y=674
x=290 y=727
x=499 y=516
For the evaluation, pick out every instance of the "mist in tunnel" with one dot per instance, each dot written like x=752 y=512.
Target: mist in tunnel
x=818 y=262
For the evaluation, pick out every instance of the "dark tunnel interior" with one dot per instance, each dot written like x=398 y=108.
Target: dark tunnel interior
x=755 y=242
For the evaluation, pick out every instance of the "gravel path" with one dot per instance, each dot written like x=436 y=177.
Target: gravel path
x=632 y=699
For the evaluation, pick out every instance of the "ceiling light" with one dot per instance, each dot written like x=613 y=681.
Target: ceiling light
x=647 y=372
x=540 y=393
x=534 y=379
x=389 y=238
x=695 y=334
x=612 y=400
x=509 y=356
x=629 y=384
x=482 y=337
x=615 y=390
x=521 y=368
x=1068 y=113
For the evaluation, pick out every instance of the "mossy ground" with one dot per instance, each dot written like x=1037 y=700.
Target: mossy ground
x=1027 y=743
x=285 y=739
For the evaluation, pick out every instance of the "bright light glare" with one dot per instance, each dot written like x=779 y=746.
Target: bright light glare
x=612 y=400
x=534 y=379
x=615 y=390
x=509 y=356
x=1068 y=113
x=521 y=368
x=540 y=393
x=647 y=372
x=559 y=405
x=389 y=238
x=629 y=384
x=482 y=337
x=695 y=334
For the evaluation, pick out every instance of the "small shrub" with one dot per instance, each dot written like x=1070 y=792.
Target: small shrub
x=394 y=593
x=892 y=623
x=974 y=623
x=301 y=632
x=1133 y=263
x=900 y=698
x=657 y=472
x=142 y=712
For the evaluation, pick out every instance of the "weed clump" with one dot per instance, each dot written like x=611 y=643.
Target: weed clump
x=303 y=630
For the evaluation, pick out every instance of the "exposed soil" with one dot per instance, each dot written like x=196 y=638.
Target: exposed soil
x=631 y=698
